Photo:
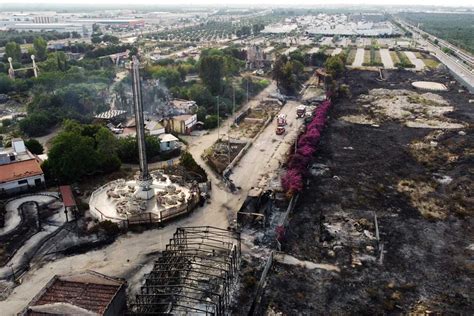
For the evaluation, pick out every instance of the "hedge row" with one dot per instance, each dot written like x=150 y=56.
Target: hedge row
x=292 y=180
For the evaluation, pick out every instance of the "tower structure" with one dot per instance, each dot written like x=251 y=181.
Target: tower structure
x=144 y=190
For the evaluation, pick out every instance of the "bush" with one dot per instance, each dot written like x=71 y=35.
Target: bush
x=34 y=146
x=292 y=182
x=6 y=122
x=210 y=122
x=188 y=162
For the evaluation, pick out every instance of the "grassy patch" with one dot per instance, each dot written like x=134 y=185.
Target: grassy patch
x=404 y=62
x=394 y=57
x=351 y=56
x=431 y=63
x=372 y=57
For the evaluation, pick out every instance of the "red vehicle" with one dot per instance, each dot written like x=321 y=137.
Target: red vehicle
x=280 y=130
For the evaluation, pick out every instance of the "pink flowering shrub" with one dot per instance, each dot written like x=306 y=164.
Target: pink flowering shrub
x=299 y=162
x=306 y=150
x=292 y=181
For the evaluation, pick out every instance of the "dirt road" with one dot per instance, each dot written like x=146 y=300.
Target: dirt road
x=267 y=152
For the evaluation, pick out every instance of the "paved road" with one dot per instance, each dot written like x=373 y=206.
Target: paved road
x=453 y=63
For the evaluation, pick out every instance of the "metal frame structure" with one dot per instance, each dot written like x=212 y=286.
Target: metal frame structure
x=194 y=275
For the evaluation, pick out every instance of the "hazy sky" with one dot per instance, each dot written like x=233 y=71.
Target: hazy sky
x=249 y=2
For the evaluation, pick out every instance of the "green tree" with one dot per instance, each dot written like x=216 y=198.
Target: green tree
x=37 y=123
x=34 y=146
x=210 y=121
x=72 y=156
x=41 y=48
x=334 y=66
x=201 y=95
x=6 y=84
x=211 y=72
x=106 y=141
x=13 y=50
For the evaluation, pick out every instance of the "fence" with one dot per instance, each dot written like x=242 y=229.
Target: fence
x=147 y=218
x=260 y=286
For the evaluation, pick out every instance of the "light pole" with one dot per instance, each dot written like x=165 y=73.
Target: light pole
x=218 y=123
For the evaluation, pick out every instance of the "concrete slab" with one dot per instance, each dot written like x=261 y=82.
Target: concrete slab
x=336 y=51
x=386 y=59
x=429 y=86
x=419 y=64
x=359 y=58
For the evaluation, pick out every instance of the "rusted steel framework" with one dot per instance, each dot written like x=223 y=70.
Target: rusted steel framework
x=195 y=274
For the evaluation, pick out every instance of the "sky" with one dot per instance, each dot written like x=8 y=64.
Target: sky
x=248 y=2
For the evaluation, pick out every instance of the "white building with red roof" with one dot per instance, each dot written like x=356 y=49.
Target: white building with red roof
x=20 y=170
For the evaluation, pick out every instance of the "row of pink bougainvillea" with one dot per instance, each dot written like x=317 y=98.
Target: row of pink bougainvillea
x=292 y=180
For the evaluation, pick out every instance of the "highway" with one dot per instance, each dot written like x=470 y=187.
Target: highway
x=455 y=64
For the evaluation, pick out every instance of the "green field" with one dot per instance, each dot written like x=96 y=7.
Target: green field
x=452 y=27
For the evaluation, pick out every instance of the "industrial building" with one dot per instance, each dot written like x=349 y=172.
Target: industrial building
x=181 y=124
x=88 y=293
x=81 y=29
x=195 y=275
x=20 y=170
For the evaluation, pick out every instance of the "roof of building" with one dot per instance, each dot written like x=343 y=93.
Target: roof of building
x=67 y=196
x=110 y=114
x=89 y=292
x=153 y=125
x=19 y=170
x=168 y=138
x=183 y=117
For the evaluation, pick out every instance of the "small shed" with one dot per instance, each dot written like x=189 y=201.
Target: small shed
x=168 y=142
x=69 y=202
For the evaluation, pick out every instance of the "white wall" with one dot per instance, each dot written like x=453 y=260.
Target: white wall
x=12 y=186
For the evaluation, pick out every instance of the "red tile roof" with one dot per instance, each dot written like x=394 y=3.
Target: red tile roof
x=19 y=170
x=90 y=291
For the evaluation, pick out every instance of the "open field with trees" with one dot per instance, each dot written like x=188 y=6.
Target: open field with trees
x=454 y=28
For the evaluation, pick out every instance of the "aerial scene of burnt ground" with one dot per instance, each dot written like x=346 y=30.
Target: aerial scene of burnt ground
x=419 y=183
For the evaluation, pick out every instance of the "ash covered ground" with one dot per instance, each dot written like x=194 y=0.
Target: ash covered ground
x=419 y=182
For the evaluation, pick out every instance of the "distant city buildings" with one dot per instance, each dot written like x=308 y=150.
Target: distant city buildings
x=62 y=22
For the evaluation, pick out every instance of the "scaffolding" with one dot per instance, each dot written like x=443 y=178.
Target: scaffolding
x=194 y=275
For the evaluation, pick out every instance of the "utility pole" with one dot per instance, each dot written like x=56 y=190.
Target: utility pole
x=218 y=123
x=247 y=90
x=233 y=99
